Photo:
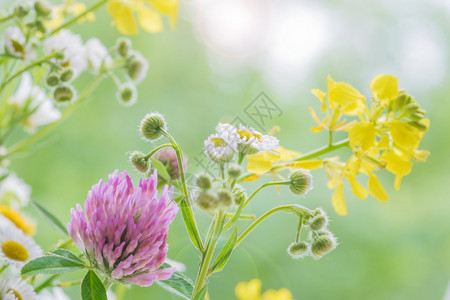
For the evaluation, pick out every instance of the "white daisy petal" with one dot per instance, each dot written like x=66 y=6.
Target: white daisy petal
x=16 y=248
x=14 y=191
x=16 y=288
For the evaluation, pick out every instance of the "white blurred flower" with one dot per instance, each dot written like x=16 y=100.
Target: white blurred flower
x=127 y=94
x=55 y=294
x=97 y=54
x=14 y=192
x=137 y=67
x=251 y=141
x=16 y=44
x=16 y=248
x=15 y=288
x=36 y=100
x=220 y=147
x=72 y=47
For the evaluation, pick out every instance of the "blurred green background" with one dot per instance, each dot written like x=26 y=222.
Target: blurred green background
x=216 y=61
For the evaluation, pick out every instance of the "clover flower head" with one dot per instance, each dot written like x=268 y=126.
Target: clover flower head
x=168 y=157
x=251 y=141
x=123 y=230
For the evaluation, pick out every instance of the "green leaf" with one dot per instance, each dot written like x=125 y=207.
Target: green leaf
x=178 y=284
x=201 y=294
x=67 y=254
x=52 y=264
x=162 y=170
x=225 y=253
x=190 y=225
x=50 y=218
x=92 y=287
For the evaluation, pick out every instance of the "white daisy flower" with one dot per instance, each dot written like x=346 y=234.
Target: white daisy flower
x=55 y=294
x=127 y=94
x=16 y=44
x=220 y=148
x=36 y=100
x=251 y=141
x=16 y=288
x=72 y=47
x=14 y=191
x=97 y=54
x=16 y=248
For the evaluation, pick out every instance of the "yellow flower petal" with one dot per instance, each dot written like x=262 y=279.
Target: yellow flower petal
x=357 y=188
x=362 y=135
x=248 y=290
x=376 y=189
x=384 y=87
x=398 y=180
x=343 y=95
x=149 y=20
x=261 y=163
x=405 y=135
x=250 y=178
x=282 y=294
x=123 y=17
x=383 y=143
x=164 y=6
x=307 y=164
x=396 y=164
x=338 y=201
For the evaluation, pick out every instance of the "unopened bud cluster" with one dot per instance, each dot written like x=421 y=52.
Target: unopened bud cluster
x=320 y=241
x=213 y=196
x=407 y=107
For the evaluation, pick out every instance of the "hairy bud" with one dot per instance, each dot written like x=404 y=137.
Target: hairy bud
x=203 y=181
x=298 y=250
x=301 y=182
x=140 y=162
x=52 y=79
x=323 y=245
x=66 y=75
x=207 y=200
x=225 y=197
x=318 y=222
x=63 y=94
x=151 y=126
x=42 y=8
x=234 y=171
x=123 y=46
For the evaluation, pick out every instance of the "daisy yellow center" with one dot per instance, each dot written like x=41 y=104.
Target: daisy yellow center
x=15 y=251
x=247 y=135
x=17 y=219
x=16 y=294
x=218 y=142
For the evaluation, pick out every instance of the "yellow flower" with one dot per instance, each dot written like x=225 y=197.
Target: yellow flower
x=252 y=291
x=17 y=219
x=70 y=7
x=384 y=88
x=149 y=14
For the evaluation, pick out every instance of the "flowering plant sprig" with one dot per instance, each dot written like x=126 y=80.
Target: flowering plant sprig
x=383 y=133
x=224 y=199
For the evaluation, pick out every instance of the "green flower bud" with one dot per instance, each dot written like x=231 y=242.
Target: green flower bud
x=40 y=26
x=225 y=197
x=411 y=108
x=42 y=8
x=66 y=75
x=399 y=102
x=59 y=55
x=301 y=182
x=139 y=161
x=323 y=245
x=21 y=10
x=137 y=67
x=123 y=46
x=63 y=94
x=298 y=250
x=239 y=194
x=234 y=171
x=52 y=79
x=151 y=126
x=318 y=222
x=204 y=182
x=127 y=94
x=419 y=125
x=207 y=200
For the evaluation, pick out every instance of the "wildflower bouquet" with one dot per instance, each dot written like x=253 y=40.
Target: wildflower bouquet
x=119 y=235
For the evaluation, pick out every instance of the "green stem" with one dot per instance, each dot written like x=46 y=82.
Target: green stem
x=7 y=18
x=185 y=189
x=38 y=62
x=323 y=150
x=80 y=16
x=46 y=283
x=299 y=229
x=263 y=186
x=156 y=150
x=291 y=208
x=208 y=254
x=241 y=216
x=41 y=133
